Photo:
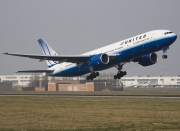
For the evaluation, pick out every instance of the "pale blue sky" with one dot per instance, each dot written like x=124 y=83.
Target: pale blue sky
x=73 y=27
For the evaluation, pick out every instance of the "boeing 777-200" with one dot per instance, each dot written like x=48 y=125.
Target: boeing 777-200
x=140 y=48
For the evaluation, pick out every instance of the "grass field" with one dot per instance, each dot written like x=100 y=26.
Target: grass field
x=88 y=113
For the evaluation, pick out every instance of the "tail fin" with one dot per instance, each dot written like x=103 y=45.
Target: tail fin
x=47 y=50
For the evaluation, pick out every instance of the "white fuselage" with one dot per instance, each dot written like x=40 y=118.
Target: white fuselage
x=118 y=47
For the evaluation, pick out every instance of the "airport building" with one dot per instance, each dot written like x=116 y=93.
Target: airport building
x=19 y=80
x=146 y=81
x=157 y=81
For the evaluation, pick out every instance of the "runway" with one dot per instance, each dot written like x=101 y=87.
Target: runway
x=87 y=95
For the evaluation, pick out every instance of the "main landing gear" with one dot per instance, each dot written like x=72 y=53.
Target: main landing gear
x=120 y=74
x=92 y=75
x=164 y=56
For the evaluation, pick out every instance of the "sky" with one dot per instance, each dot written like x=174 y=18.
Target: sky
x=73 y=27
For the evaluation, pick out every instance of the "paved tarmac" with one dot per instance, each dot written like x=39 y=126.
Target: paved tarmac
x=81 y=95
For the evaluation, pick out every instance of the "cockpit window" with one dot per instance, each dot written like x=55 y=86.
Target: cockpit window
x=167 y=33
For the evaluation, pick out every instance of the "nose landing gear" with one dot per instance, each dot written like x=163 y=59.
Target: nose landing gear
x=164 y=56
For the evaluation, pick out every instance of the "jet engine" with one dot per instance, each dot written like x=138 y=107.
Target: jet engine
x=100 y=59
x=147 y=60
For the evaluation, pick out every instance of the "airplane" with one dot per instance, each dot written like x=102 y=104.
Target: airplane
x=140 y=49
x=143 y=84
x=146 y=84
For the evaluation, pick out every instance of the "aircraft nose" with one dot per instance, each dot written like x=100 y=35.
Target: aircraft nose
x=174 y=37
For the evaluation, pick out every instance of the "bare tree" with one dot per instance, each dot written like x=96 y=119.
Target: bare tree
x=34 y=80
x=44 y=81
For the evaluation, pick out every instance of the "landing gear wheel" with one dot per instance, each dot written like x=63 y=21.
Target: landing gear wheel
x=92 y=75
x=124 y=73
x=115 y=76
x=164 y=56
x=120 y=74
x=88 y=77
x=97 y=73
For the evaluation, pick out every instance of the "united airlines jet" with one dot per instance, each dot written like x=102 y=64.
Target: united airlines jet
x=140 y=49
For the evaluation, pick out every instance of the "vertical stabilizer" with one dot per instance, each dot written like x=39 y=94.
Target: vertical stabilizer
x=47 y=50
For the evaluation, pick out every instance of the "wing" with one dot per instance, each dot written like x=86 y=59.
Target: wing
x=35 y=71
x=70 y=58
x=73 y=59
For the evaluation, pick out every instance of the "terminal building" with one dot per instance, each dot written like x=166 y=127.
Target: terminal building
x=17 y=80
x=136 y=81
x=20 y=80
x=151 y=81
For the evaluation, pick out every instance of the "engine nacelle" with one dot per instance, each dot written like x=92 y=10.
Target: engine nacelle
x=100 y=59
x=148 y=59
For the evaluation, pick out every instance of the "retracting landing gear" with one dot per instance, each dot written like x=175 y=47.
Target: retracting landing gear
x=164 y=56
x=92 y=75
x=120 y=73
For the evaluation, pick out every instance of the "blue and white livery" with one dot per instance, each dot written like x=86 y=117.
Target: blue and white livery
x=140 y=48
x=47 y=50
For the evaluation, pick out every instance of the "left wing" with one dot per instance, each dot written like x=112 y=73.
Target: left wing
x=73 y=59
x=35 y=71
x=69 y=58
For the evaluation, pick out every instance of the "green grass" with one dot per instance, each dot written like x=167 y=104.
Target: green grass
x=83 y=113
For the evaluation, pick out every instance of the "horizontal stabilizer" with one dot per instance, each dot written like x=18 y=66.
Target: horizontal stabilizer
x=36 y=71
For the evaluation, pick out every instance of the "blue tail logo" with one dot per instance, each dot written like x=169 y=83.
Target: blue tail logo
x=47 y=50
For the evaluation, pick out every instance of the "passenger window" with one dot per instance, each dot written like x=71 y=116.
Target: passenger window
x=129 y=40
x=140 y=37
x=144 y=36
x=126 y=42
x=136 y=38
